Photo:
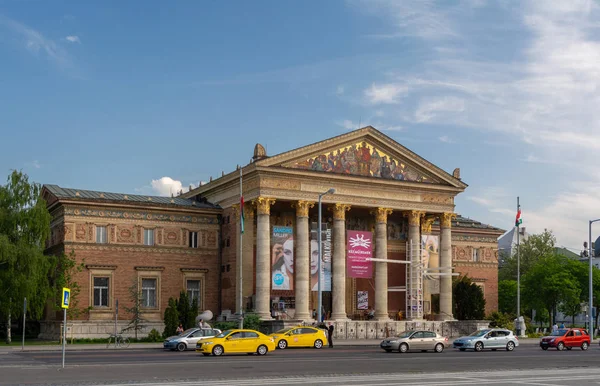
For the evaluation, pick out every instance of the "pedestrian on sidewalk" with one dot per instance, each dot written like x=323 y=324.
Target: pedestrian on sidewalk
x=330 y=334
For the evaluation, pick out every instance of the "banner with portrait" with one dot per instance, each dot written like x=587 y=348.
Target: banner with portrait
x=282 y=258
x=430 y=248
x=325 y=261
x=360 y=250
x=362 y=300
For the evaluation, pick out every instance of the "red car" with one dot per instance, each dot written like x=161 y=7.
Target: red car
x=566 y=338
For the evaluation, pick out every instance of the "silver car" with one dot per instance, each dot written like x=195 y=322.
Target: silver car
x=488 y=338
x=189 y=338
x=415 y=340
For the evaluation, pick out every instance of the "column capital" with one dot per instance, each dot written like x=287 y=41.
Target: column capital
x=236 y=211
x=446 y=219
x=414 y=217
x=263 y=204
x=302 y=207
x=426 y=224
x=248 y=211
x=381 y=214
x=339 y=211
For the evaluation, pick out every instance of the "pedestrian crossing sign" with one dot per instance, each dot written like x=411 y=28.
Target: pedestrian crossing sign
x=66 y=298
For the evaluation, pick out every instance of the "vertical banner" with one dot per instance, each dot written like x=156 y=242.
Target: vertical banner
x=362 y=300
x=325 y=262
x=282 y=258
x=360 y=248
x=430 y=248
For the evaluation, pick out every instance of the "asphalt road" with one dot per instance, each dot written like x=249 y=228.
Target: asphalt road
x=337 y=366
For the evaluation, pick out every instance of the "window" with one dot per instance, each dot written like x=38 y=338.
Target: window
x=308 y=331
x=248 y=334
x=100 y=292
x=577 y=333
x=476 y=255
x=193 y=240
x=429 y=334
x=148 y=236
x=149 y=293
x=418 y=335
x=193 y=291
x=101 y=234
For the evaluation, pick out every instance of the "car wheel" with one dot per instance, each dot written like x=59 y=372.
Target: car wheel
x=510 y=346
x=478 y=346
x=181 y=346
x=462 y=349
x=388 y=350
x=584 y=346
x=262 y=349
x=318 y=343
x=205 y=354
x=217 y=350
x=282 y=344
x=561 y=346
x=403 y=348
x=544 y=348
x=439 y=347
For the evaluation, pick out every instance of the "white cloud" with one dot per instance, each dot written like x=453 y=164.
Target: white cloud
x=445 y=139
x=385 y=93
x=348 y=124
x=429 y=109
x=166 y=186
x=73 y=39
x=36 y=43
x=340 y=90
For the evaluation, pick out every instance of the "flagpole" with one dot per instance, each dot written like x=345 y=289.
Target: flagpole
x=240 y=266
x=518 y=269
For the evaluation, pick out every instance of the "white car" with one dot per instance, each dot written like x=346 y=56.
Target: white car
x=188 y=339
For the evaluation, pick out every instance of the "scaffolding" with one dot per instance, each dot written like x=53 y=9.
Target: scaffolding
x=414 y=282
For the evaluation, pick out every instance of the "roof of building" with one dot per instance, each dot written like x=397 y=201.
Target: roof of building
x=81 y=194
x=565 y=252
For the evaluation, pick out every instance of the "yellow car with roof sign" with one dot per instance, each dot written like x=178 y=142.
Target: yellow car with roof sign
x=300 y=336
x=236 y=342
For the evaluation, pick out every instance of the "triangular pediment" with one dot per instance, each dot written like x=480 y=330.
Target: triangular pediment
x=365 y=152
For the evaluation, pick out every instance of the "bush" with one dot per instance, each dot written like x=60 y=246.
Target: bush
x=535 y=335
x=171 y=319
x=225 y=325
x=501 y=320
x=252 y=322
x=154 y=336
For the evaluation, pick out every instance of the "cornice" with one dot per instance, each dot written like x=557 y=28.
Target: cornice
x=458 y=263
x=101 y=266
x=146 y=249
x=86 y=211
x=201 y=270
x=148 y=268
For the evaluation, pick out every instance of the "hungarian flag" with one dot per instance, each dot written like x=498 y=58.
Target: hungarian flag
x=242 y=214
x=518 y=220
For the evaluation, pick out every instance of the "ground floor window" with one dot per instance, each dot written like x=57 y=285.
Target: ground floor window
x=193 y=292
x=101 y=291
x=149 y=293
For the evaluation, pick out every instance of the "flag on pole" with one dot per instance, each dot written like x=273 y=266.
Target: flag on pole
x=518 y=220
x=242 y=214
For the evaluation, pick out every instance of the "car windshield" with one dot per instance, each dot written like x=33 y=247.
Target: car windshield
x=282 y=331
x=405 y=334
x=559 y=333
x=224 y=334
x=188 y=331
x=480 y=333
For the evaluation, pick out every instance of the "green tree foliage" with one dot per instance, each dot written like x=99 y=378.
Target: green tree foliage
x=66 y=268
x=137 y=321
x=502 y=320
x=171 y=319
x=187 y=311
x=548 y=283
x=531 y=251
x=24 y=270
x=252 y=322
x=507 y=296
x=468 y=299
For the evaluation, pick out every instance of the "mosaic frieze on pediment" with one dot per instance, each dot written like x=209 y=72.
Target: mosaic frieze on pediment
x=362 y=159
x=139 y=215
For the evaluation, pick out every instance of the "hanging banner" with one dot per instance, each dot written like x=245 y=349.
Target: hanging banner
x=360 y=248
x=325 y=261
x=430 y=248
x=362 y=300
x=282 y=258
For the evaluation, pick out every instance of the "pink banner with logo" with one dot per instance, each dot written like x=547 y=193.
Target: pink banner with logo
x=360 y=248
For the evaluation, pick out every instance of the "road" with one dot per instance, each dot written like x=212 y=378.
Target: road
x=337 y=366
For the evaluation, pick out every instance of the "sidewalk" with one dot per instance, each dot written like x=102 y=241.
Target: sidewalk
x=156 y=346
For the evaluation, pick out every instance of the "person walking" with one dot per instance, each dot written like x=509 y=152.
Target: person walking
x=330 y=334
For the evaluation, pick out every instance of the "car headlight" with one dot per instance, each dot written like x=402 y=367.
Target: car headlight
x=552 y=340
x=207 y=342
x=275 y=336
x=393 y=341
x=272 y=340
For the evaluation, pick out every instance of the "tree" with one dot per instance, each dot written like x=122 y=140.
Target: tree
x=24 y=270
x=532 y=250
x=468 y=299
x=187 y=310
x=171 y=319
x=66 y=268
x=137 y=322
x=548 y=283
x=507 y=296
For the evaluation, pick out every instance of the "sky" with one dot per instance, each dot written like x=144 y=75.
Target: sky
x=151 y=97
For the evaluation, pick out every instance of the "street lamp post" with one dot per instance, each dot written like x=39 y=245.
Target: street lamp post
x=591 y=305
x=319 y=235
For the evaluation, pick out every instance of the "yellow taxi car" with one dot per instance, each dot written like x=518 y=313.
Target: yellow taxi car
x=300 y=336
x=236 y=342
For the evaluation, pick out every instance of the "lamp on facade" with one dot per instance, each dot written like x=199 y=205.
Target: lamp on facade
x=319 y=235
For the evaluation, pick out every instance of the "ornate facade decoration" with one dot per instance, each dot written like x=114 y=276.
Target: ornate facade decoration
x=426 y=224
x=263 y=205
x=414 y=217
x=302 y=207
x=362 y=159
x=139 y=215
x=446 y=219
x=381 y=214
x=339 y=211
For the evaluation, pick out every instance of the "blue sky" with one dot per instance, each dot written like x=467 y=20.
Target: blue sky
x=114 y=96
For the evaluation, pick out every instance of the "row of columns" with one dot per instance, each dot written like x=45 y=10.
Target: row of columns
x=302 y=258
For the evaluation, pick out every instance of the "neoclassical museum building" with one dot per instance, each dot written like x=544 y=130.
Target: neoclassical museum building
x=391 y=239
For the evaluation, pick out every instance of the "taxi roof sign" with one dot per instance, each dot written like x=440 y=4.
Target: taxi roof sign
x=66 y=298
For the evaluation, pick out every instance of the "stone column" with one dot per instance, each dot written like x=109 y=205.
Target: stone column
x=414 y=222
x=248 y=254
x=446 y=263
x=263 y=257
x=302 y=261
x=381 y=268
x=338 y=294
